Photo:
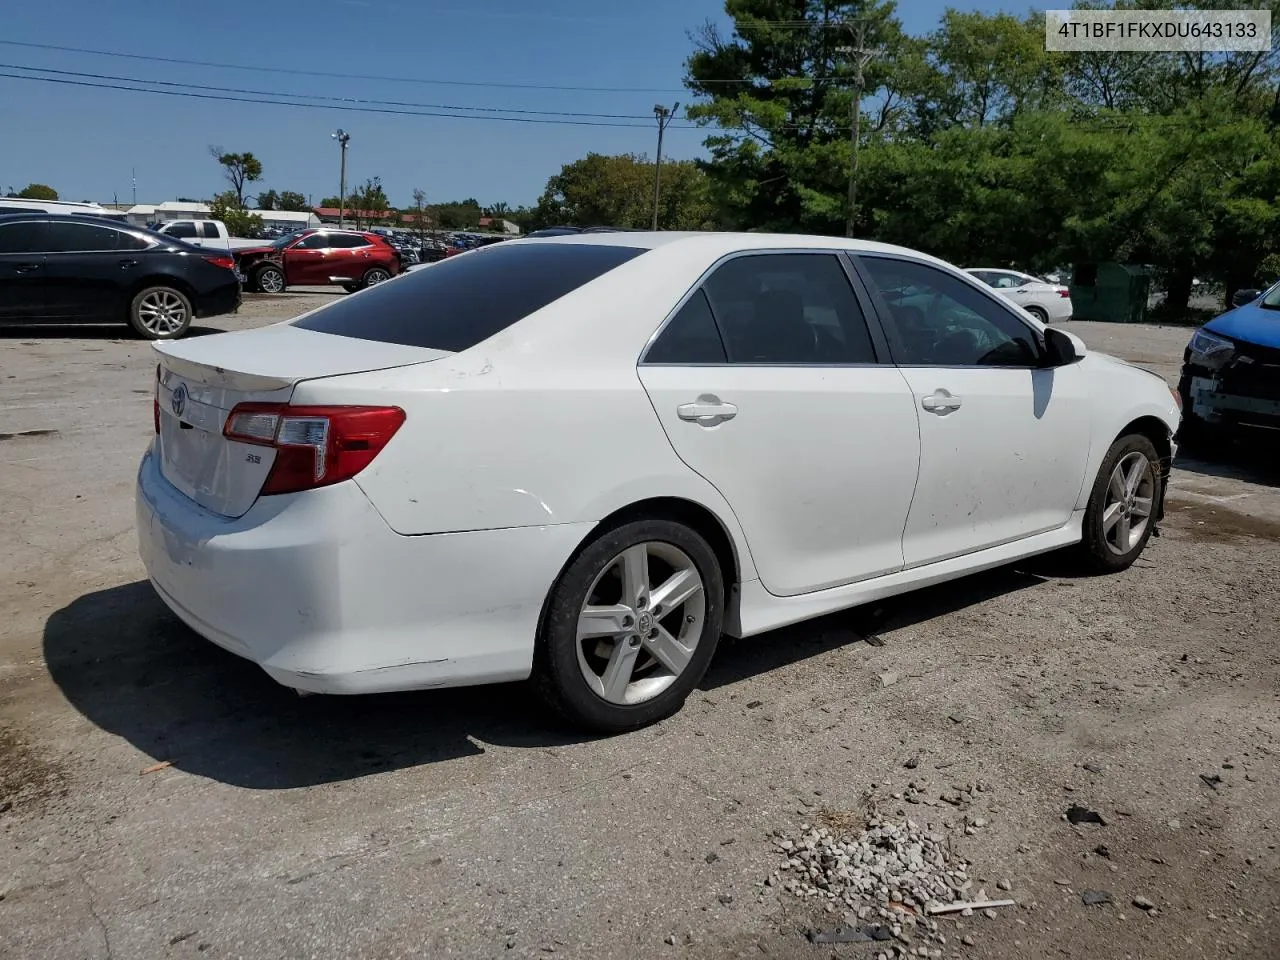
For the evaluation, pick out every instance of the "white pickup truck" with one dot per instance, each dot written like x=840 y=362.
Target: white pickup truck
x=205 y=233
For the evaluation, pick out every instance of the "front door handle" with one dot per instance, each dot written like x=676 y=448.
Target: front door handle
x=940 y=402
x=126 y=264
x=707 y=411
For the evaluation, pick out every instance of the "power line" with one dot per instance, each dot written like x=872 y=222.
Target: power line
x=336 y=76
x=316 y=96
x=325 y=106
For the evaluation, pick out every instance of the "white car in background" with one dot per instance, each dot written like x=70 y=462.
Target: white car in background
x=1047 y=302
x=584 y=458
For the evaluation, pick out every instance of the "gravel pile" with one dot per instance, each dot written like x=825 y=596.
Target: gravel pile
x=885 y=875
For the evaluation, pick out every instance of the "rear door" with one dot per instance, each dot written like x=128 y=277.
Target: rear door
x=92 y=269
x=771 y=384
x=23 y=277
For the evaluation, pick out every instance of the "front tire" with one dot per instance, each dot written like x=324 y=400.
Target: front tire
x=630 y=627
x=160 y=313
x=1121 y=513
x=269 y=279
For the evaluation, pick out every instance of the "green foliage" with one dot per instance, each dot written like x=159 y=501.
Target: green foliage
x=38 y=191
x=617 y=191
x=369 y=202
x=268 y=200
x=240 y=222
x=239 y=169
x=981 y=147
x=291 y=200
x=457 y=215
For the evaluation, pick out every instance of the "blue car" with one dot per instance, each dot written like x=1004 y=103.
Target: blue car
x=1231 y=371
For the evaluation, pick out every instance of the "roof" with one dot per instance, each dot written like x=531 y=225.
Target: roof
x=183 y=205
x=362 y=214
x=299 y=215
x=724 y=243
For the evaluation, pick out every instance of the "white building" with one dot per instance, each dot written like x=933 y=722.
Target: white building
x=143 y=213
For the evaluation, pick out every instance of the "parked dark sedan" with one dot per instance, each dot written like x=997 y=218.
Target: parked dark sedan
x=73 y=269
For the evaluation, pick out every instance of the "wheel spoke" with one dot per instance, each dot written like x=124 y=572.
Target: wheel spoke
x=617 y=675
x=1117 y=483
x=635 y=574
x=679 y=587
x=1122 y=534
x=607 y=621
x=1134 y=476
x=1111 y=516
x=1141 y=507
x=668 y=651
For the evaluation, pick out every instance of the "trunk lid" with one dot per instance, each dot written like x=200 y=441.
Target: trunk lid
x=202 y=379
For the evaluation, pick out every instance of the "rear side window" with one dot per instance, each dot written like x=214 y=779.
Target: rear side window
x=690 y=338
x=65 y=237
x=459 y=302
x=210 y=230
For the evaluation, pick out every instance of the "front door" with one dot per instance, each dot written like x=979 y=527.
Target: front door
x=23 y=278
x=306 y=262
x=1004 y=440
x=768 y=384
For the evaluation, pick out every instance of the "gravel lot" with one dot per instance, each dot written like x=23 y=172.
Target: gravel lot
x=463 y=823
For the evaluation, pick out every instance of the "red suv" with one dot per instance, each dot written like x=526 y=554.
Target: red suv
x=353 y=260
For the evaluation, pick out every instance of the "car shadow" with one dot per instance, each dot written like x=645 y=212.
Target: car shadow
x=85 y=331
x=780 y=648
x=1241 y=460
x=131 y=667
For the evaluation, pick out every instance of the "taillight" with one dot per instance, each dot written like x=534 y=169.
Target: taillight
x=227 y=263
x=155 y=401
x=315 y=446
x=1064 y=294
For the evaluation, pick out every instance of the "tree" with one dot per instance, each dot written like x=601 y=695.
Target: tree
x=291 y=200
x=269 y=200
x=369 y=201
x=38 y=191
x=499 y=210
x=617 y=191
x=239 y=169
x=419 y=212
x=457 y=215
x=240 y=222
x=334 y=202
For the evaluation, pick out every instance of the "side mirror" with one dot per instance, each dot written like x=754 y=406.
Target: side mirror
x=1241 y=297
x=1061 y=348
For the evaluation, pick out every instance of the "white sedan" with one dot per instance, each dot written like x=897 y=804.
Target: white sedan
x=582 y=459
x=1047 y=302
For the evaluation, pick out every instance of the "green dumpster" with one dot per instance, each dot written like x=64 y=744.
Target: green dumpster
x=1110 y=292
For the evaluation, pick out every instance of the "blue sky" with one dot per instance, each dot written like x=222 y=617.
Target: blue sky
x=86 y=142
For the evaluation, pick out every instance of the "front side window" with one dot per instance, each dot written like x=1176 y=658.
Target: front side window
x=937 y=319
x=789 y=308
x=183 y=231
x=317 y=241
x=25 y=236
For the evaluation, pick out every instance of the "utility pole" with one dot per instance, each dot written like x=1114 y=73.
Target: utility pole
x=343 y=139
x=862 y=55
x=135 y=186
x=663 y=115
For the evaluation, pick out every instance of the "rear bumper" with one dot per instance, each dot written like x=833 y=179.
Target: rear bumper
x=319 y=592
x=224 y=299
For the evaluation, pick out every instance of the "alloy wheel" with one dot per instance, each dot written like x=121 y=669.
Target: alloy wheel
x=271 y=281
x=375 y=276
x=1127 y=508
x=162 y=312
x=641 y=622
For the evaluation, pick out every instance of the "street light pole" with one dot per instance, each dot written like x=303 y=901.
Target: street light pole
x=664 y=115
x=343 y=139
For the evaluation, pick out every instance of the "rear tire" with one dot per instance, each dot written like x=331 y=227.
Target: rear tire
x=269 y=279
x=374 y=276
x=630 y=627
x=1038 y=313
x=160 y=313
x=1122 y=509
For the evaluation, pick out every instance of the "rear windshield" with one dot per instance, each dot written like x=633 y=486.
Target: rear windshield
x=457 y=303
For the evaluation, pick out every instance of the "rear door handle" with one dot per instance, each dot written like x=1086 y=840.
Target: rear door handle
x=25 y=267
x=940 y=402
x=707 y=411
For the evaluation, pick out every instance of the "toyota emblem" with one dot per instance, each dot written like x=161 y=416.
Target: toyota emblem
x=178 y=402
